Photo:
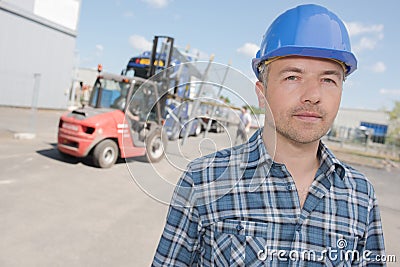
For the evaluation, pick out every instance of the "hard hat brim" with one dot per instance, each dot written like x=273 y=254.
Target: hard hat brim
x=348 y=59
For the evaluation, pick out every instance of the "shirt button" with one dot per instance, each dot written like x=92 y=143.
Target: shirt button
x=239 y=227
x=261 y=255
x=289 y=187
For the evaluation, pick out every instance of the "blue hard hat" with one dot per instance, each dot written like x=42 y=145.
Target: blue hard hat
x=307 y=30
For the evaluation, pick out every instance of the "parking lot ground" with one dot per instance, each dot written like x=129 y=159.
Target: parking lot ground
x=57 y=212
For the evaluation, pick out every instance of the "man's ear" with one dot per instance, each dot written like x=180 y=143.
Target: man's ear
x=260 y=94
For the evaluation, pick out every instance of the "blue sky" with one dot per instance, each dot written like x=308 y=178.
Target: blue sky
x=112 y=31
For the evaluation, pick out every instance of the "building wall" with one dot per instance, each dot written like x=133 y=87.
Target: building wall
x=34 y=45
x=87 y=76
x=352 y=118
x=348 y=121
x=27 y=5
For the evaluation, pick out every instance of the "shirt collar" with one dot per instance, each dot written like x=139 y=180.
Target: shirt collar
x=254 y=154
x=328 y=162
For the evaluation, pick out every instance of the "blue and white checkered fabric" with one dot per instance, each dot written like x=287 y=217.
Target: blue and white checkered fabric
x=239 y=208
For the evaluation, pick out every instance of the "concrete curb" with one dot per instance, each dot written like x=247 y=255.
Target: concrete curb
x=24 y=136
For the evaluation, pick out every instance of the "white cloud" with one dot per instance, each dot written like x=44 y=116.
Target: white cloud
x=365 y=37
x=248 y=49
x=177 y=17
x=128 y=14
x=365 y=43
x=356 y=28
x=99 y=50
x=140 y=43
x=379 y=67
x=384 y=91
x=157 y=3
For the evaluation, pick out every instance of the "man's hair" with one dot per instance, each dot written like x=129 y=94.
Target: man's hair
x=264 y=72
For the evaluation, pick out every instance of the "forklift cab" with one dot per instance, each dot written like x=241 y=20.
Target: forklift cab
x=137 y=98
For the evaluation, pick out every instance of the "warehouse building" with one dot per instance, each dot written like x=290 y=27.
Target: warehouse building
x=37 y=52
x=361 y=124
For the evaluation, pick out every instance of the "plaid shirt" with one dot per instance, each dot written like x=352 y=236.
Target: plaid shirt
x=239 y=208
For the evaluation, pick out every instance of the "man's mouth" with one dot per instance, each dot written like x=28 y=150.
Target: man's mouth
x=308 y=116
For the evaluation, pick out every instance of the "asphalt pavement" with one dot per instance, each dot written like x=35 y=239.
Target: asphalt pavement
x=58 y=212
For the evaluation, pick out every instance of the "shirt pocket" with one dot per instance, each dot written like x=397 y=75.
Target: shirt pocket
x=238 y=243
x=341 y=250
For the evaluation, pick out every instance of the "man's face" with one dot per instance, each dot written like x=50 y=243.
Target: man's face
x=303 y=95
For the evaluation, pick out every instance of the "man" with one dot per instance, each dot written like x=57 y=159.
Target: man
x=244 y=125
x=282 y=198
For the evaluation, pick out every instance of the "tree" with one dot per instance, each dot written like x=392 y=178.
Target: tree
x=394 y=118
x=225 y=99
x=256 y=110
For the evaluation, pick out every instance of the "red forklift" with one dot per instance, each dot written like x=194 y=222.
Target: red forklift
x=123 y=118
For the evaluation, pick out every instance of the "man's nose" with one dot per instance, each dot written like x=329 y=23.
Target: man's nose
x=311 y=92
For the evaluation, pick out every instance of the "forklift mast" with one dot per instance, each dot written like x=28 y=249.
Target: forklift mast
x=164 y=52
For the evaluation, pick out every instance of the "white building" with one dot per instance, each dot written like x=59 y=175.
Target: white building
x=349 y=121
x=37 y=52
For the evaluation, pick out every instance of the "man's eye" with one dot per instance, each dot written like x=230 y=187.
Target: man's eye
x=328 y=80
x=291 y=78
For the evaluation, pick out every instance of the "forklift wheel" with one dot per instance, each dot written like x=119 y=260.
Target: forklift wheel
x=156 y=144
x=105 y=154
